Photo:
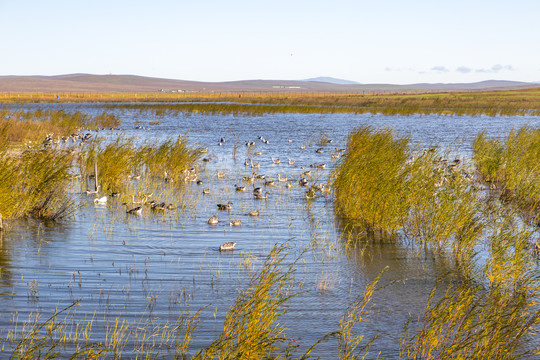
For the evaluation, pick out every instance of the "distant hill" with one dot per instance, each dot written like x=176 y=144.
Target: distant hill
x=132 y=83
x=331 y=80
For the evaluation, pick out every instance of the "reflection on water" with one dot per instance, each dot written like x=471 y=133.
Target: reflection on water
x=160 y=264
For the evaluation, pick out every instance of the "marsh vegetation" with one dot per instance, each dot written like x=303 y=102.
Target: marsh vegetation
x=334 y=261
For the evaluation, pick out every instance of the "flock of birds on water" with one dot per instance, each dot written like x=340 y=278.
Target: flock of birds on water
x=259 y=192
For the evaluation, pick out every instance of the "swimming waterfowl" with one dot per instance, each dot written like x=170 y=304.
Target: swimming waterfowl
x=276 y=161
x=226 y=206
x=258 y=153
x=303 y=181
x=135 y=211
x=101 y=200
x=280 y=179
x=256 y=165
x=253 y=213
x=319 y=151
x=260 y=196
x=291 y=162
x=239 y=188
x=269 y=183
x=288 y=185
x=199 y=182
x=213 y=220
x=229 y=245
x=220 y=174
x=206 y=191
x=158 y=206
x=235 y=223
x=257 y=191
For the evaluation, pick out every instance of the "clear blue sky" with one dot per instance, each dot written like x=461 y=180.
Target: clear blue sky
x=383 y=41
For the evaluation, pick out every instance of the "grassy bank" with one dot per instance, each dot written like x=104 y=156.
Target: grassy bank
x=510 y=102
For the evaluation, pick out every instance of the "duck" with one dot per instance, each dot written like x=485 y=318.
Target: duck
x=257 y=191
x=261 y=196
x=258 y=153
x=280 y=179
x=239 y=188
x=229 y=245
x=288 y=185
x=135 y=211
x=319 y=151
x=291 y=162
x=206 y=191
x=213 y=220
x=303 y=181
x=158 y=206
x=235 y=223
x=276 y=161
x=253 y=213
x=226 y=206
x=269 y=183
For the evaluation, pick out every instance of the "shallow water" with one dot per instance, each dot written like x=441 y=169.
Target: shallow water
x=153 y=267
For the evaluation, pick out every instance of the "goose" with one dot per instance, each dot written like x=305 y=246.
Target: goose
x=235 y=223
x=213 y=220
x=253 y=213
x=101 y=200
x=239 y=188
x=226 y=206
x=229 y=245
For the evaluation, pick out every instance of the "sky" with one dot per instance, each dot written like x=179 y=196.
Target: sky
x=382 y=41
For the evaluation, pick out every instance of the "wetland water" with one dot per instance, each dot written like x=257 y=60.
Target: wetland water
x=149 y=269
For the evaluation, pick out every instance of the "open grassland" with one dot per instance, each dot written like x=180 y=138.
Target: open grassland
x=509 y=102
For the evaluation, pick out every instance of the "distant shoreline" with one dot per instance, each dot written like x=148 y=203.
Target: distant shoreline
x=132 y=83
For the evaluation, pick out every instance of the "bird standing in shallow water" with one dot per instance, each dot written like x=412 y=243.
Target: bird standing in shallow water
x=229 y=245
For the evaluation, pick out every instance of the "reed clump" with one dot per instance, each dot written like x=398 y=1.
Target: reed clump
x=382 y=185
x=251 y=329
x=512 y=167
x=119 y=160
x=369 y=183
x=34 y=184
x=34 y=126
